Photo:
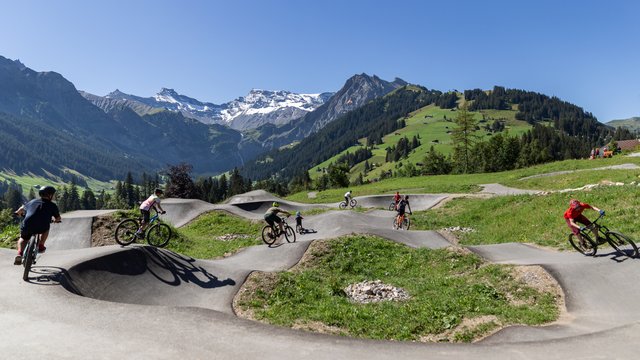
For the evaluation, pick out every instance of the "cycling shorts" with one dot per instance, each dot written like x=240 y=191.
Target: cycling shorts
x=26 y=235
x=272 y=218
x=146 y=215
x=580 y=219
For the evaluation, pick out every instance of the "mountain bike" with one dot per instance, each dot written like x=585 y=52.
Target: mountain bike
x=623 y=244
x=404 y=223
x=270 y=233
x=352 y=203
x=157 y=233
x=29 y=254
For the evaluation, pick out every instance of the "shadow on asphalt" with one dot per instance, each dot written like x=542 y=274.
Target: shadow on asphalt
x=135 y=267
x=47 y=275
x=182 y=268
x=615 y=256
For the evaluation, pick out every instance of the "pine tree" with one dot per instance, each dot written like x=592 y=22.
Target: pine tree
x=88 y=201
x=463 y=137
x=13 y=198
x=180 y=184
x=73 y=202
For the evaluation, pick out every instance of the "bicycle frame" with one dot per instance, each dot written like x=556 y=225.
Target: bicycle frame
x=602 y=230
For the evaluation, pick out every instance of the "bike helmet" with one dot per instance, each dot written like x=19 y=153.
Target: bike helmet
x=298 y=213
x=46 y=191
x=406 y=197
x=275 y=204
x=574 y=203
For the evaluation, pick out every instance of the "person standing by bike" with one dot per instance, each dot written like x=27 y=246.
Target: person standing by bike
x=299 y=221
x=573 y=215
x=152 y=201
x=271 y=216
x=401 y=209
x=37 y=219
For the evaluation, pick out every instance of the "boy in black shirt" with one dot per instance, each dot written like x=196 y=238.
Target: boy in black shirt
x=37 y=219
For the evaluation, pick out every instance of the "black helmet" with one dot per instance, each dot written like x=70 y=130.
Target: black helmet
x=47 y=190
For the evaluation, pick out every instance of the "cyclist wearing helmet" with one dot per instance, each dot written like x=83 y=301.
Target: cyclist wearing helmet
x=347 y=197
x=401 y=208
x=37 y=219
x=573 y=215
x=271 y=216
x=152 y=201
x=299 y=219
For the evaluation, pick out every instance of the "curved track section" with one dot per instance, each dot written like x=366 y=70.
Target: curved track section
x=143 y=302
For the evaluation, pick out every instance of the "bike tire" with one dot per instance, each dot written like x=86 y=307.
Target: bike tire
x=29 y=257
x=342 y=205
x=589 y=249
x=353 y=203
x=407 y=223
x=395 y=223
x=289 y=234
x=158 y=235
x=622 y=243
x=268 y=236
x=392 y=206
x=126 y=231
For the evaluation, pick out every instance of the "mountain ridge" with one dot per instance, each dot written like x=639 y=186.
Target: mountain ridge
x=257 y=108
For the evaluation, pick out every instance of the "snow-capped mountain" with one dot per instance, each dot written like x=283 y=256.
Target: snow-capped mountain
x=257 y=108
x=276 y=107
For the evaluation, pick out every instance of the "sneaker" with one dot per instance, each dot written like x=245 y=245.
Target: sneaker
x=18 y=260
x=42 y=249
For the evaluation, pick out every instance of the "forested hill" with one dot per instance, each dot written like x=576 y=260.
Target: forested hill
x=560 y=130
x=371 y=121
x=535 y=107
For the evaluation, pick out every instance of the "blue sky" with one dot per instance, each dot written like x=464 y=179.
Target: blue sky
x=584 y=52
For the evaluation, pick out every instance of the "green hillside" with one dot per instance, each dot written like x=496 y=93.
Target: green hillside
x=28 y=181
x=432 y=125
x=633 y=124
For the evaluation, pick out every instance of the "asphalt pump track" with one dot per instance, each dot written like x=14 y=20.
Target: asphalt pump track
x=145 y=302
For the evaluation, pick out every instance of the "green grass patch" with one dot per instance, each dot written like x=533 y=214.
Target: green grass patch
x=469 y=183
x=532 y=218
x=445 y=287
x=9 y=236
x=204 y=238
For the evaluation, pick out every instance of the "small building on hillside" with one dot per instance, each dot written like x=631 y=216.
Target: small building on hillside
x=628 y=144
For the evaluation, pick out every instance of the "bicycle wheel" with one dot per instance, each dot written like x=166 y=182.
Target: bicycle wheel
x=159 y=235
x=342 y=205
x=29 y=256
x=406 y=223
x=299 y=229
x=126 y=231
x=392 y=206
x=588 y=247
x=268 y=235
x=289 y=234
x=395 y=223
x=622 y=243
x=353 y=203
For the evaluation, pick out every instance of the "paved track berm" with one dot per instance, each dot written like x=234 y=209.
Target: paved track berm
x=147 y=303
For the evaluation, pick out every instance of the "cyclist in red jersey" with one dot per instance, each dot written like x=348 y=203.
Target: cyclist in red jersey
x=573 y=215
